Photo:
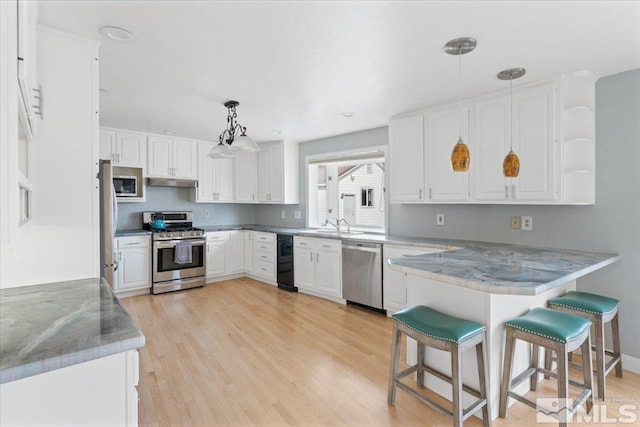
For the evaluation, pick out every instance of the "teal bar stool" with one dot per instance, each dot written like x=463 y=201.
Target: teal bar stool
x=599 y=310
x=438 y=330
x=557 y=331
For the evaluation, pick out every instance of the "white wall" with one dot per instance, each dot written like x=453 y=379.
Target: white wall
x=61 y=242
x=371 y=216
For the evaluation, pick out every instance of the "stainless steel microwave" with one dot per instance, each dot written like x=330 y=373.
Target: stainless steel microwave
x=126 y=186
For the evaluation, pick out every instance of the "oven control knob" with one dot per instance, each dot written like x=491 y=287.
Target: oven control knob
x=193 y=233
x=181 y=234
x=163 y=235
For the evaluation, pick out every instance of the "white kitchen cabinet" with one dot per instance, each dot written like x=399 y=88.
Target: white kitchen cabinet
x=133 y=257
x=216 y=253
x=553 y=136
x=264 y=256
x=123 y=148
x=318 y=266
x=171 y=158
x=98 y=392
x=215 y=177
x=235 y=252
x=28 y=83
x=248 y=251
x=246 y=177
x=442 y=132
x=278 y=166
x=406 y=159
x=395 y=282
x=534 y=141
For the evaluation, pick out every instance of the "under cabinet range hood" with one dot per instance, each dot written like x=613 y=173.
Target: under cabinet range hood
x=172 y=182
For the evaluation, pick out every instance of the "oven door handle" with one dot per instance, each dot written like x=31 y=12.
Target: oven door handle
x=172 y=244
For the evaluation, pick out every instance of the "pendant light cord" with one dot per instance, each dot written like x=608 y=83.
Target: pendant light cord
x=460 y=90
x=511 y=110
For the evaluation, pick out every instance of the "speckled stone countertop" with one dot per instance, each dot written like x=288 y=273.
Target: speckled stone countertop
x=502 y=268
x=126 y=233
x=55 y=325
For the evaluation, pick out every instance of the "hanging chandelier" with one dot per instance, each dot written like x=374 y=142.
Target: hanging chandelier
x=460 y=157
x=234 y=137
x=511 y=163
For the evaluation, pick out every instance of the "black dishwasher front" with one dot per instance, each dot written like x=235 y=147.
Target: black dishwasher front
x=285 y=263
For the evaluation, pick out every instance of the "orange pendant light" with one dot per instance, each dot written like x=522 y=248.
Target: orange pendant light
x=460 y=156
x=511 y=163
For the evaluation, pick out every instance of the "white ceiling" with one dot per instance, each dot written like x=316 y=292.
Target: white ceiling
x=295 y=66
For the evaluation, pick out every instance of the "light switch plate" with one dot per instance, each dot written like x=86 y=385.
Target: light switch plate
x=296 y=214
x=440 y=218
x=515 y=222
x=283 y=214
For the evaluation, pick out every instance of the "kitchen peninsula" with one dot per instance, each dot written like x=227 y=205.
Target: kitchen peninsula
x=490 y=283
x=70 y=350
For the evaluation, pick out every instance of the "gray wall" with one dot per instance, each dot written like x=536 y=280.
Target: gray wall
x=271 y=214
x=179 y=199
x=609 y=226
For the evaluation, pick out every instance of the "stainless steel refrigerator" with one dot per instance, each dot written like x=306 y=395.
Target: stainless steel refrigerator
x=108 y=222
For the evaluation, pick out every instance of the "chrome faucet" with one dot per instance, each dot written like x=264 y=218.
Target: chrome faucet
x=346 y=222
x=336 y=225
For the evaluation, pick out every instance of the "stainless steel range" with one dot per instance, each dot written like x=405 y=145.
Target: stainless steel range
x=179 y=259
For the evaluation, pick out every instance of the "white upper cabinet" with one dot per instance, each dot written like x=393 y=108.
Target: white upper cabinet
x=215 y=177
x=553 y=136
x=123 y=148
x=534 y=141
x=246 y=177
x=278 y=173
x=172 y=158
x=442 y=132
x=406 y=159
x=30 y=90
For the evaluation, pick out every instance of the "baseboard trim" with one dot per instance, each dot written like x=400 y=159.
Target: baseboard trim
x=630 y=363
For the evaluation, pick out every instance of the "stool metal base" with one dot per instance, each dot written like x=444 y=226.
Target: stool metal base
x=459 y=413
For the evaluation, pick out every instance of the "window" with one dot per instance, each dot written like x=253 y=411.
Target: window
x=366 y=199
x=347 y=186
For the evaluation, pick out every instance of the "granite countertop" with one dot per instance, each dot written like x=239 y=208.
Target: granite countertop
x=125 y=233
x=55 y=325
x=503 y=268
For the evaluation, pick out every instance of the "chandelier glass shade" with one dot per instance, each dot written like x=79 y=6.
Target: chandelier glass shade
x=234 y=137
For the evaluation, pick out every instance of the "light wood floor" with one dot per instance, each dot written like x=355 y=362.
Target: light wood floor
x=241 y=352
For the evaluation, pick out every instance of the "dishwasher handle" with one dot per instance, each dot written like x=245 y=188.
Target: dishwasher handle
x=364 y=247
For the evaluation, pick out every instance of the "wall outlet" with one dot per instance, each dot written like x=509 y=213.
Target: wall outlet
x=527 y=223
x=206 y=213
x=440 y=218
x=296 y=214
x=515 y=222
x=283 y=214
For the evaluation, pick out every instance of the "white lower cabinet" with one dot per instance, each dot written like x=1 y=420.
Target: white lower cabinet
x=264 y=256
x=98 y=392
x=318 y=266
x=133 y=256
x=395 y=282
x=235 y=252
x=216 y=253
x=248 y=251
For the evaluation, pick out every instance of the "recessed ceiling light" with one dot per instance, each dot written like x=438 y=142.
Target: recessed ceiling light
x=104 y=91
x=276 y=132
x=347 y=114
x=116 y=33
x=168 y=132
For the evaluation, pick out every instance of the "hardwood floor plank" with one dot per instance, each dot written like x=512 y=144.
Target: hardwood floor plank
x=242 y=353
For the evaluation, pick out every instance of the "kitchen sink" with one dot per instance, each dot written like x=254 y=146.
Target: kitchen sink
x=334 y=232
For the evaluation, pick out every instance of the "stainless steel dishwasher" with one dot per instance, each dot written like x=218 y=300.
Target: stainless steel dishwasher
x=362 y=273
